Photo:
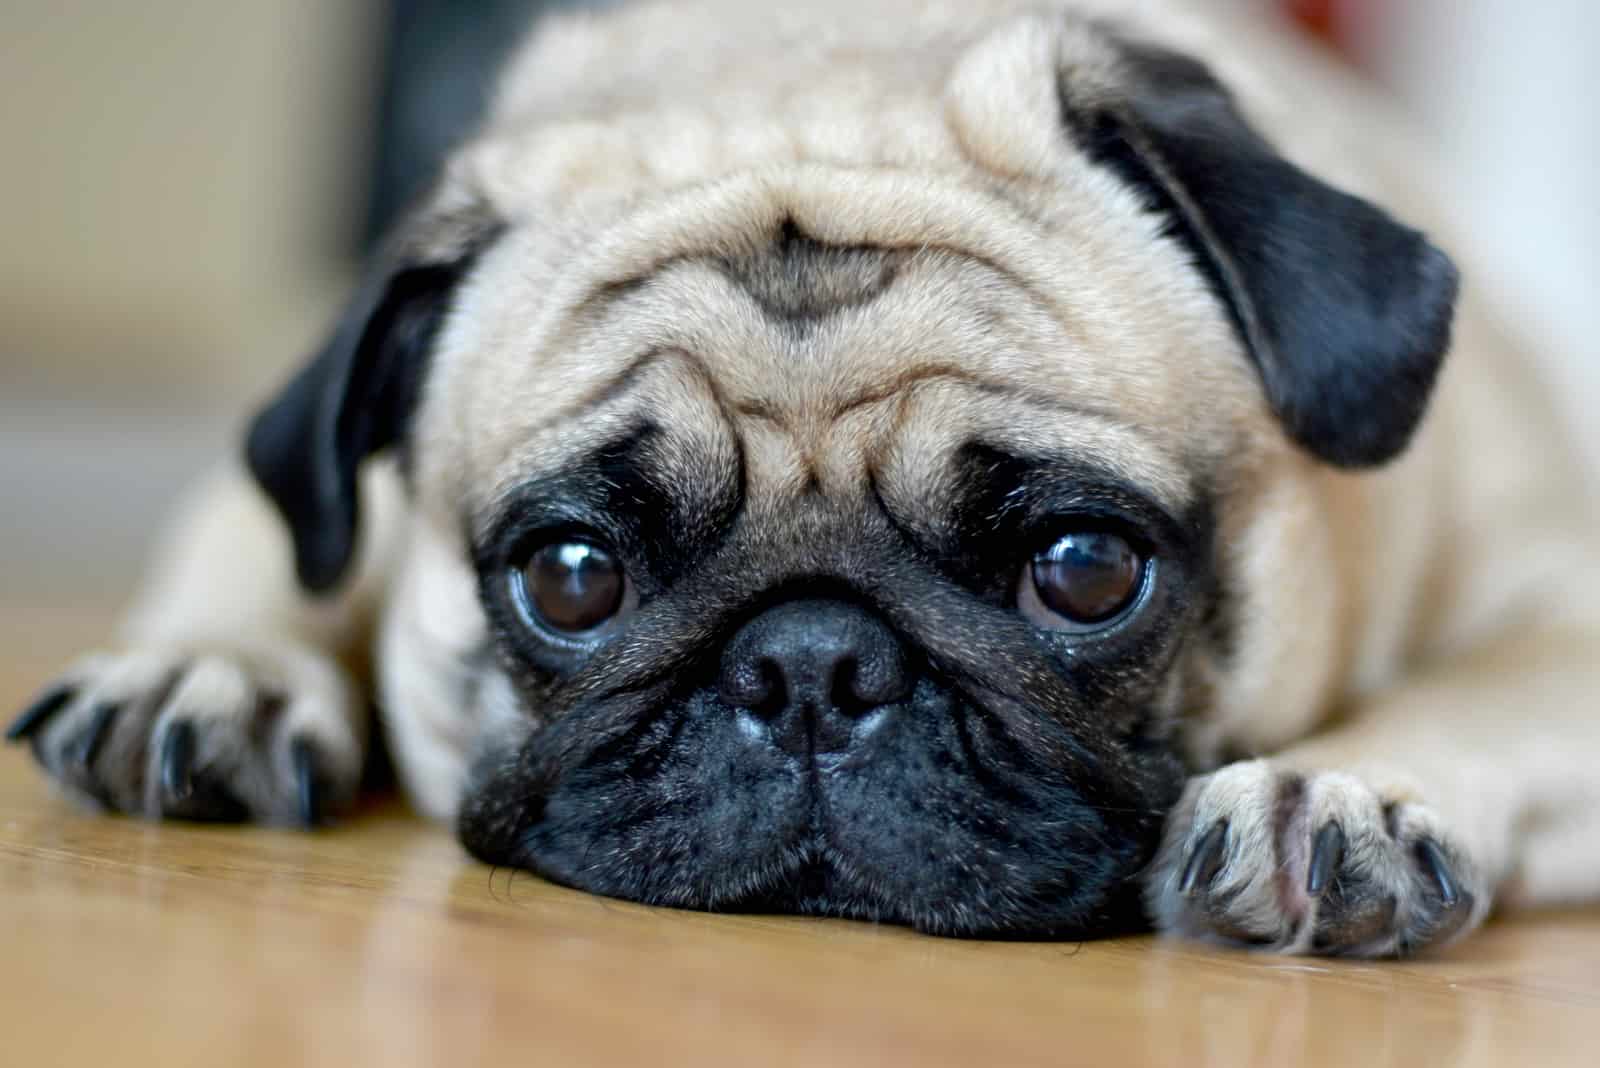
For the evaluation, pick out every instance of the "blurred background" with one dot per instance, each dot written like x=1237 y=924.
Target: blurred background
x=188 y=187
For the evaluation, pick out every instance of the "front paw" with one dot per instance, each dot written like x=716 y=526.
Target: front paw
x=1311 y=863
x=271 y=735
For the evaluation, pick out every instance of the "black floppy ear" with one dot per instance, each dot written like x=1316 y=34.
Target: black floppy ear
x=355 y=397
x=1345 y=311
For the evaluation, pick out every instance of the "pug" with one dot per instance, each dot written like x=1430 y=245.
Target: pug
x=989 y=466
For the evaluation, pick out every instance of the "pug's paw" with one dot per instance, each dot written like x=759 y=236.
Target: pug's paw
x=1317 y=863
x=268 y=734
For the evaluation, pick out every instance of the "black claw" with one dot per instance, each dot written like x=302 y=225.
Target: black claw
x=36 y=715
x=308 y=781
x=1327 y=853
x=1433 y=859
x=177 y=761
x=94 y=737
x=1205 y=861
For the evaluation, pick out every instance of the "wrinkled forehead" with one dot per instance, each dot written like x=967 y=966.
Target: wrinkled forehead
x=800 y=365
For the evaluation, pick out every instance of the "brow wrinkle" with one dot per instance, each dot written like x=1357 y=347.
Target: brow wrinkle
x=633 y=374
x=904 y=385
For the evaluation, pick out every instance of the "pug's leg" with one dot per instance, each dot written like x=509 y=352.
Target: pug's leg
x=1396 y=830
x=225 y=698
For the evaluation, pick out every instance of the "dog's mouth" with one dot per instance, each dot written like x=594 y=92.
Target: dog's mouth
x=820 y=882
x=936 y=818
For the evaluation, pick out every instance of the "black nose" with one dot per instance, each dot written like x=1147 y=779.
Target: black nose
x=813 y=672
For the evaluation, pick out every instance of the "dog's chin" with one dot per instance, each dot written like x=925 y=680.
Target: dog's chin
x=936 y=818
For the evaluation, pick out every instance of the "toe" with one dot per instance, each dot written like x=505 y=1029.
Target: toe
x=81 y=754
x=1451 y=907
x=87 y=747
x=1358 y=920
x=191 y=788
x=1434 y=864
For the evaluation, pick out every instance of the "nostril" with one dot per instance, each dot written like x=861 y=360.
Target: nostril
x=773 y=695
x=862 y=684
x=846 y=695
x=756 y=685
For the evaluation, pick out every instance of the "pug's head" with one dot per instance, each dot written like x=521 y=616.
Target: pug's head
x=858 y=540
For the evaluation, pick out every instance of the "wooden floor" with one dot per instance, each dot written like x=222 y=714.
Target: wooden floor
x=124 y=944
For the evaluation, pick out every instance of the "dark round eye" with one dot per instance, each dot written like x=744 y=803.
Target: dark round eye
x=573 y=586
x=1086 y=577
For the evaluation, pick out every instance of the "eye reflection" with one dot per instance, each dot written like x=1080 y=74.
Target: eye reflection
x=573 y=586
x=1084 y=577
